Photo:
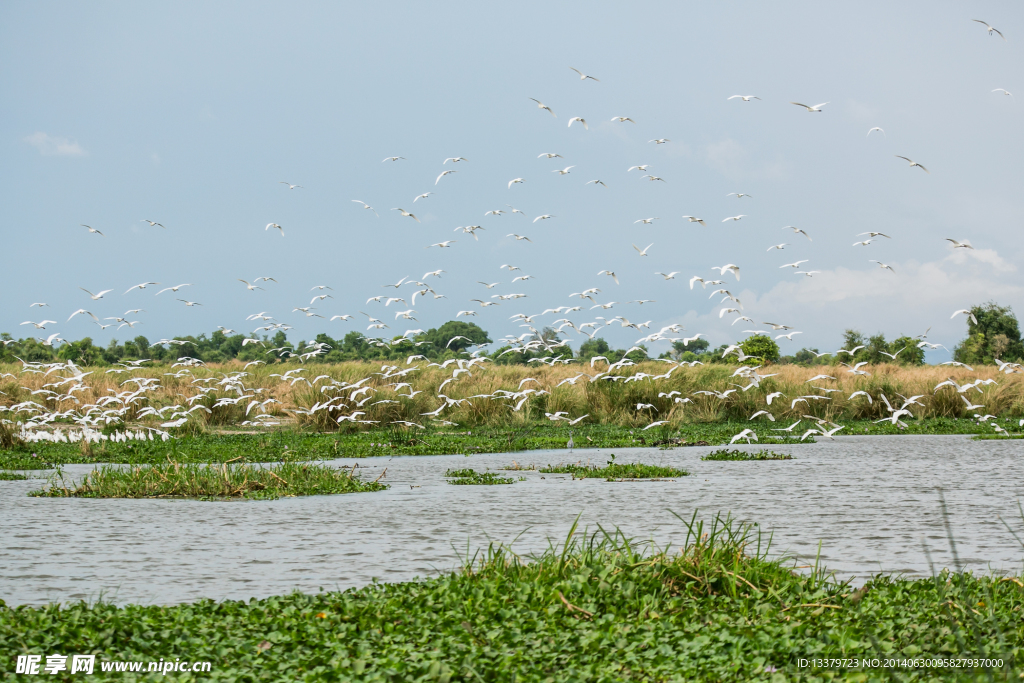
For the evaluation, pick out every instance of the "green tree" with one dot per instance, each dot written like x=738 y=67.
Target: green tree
x=763 y=347
x=593 y=347
x=906 y=351
x=996 y=334
x=441 y=337
x=695 y=347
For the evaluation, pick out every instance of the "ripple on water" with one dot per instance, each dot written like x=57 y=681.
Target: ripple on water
x=871 y=501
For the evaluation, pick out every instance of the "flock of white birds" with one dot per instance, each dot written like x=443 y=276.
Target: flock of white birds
x=410 y=292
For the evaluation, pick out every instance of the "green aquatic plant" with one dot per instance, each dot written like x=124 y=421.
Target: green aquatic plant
x=600 y=606
x=613 y=471
x=736 y=454
x=11 y=476
x=188 y=480
x=471 y=477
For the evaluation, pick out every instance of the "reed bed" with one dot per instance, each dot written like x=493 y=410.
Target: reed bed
x=604 y=402
x=207 y=482
x=599 y=606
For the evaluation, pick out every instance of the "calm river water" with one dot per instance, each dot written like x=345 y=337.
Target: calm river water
x=872 y=502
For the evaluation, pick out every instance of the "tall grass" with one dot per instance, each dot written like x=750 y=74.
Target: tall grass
x=605 y=402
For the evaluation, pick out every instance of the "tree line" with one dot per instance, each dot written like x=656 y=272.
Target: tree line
x=993 y=334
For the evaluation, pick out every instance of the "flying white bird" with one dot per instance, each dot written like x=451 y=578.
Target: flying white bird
x=913 y=163
x=541 y=105
x=584 y=77
x=669 y=276
x=92 y=229
x=734 y=218
x=581 y=120
x=622 y=119
x=367 y=206
x=519 y=237
x=740 y=195
x=660 y=141
x=391 y=159
x=550 y=155
x=564 y=171
x=874 y=234
x=734 y=269
x=142 y=286
x=816 y=107
x=595 y=182
x=173 y=289
x=421 y=196
x=153 y=224
x=646 y=221
x=543 y=218
x=1004 y=91
x=874 y=129
x=610 y=273
x=882 y=265
x=777 y=246
x=745 y=98
x=960 y=245
x=515 y=181
x=991 y=29
x=798 y=230
x=96 y=297
x=443 y=174
x=41 y=325
x=406 y=213
x=641 y=167
x=290 y=186
x=694 y=219
x=644 y=251
x=454 y=160
x=966 y=312
x=275 y=226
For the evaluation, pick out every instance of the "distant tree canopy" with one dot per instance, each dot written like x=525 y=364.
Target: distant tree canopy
x=441 y=337
x=762 y=347
x=903 y=350
x=995 y=335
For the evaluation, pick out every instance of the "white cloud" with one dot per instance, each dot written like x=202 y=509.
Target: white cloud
x=50 y=145
x=916 y=297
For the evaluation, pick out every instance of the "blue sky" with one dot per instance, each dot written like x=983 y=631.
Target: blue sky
x=191 y=114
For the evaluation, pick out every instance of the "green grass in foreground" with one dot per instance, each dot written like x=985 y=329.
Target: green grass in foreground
x=601 y=608
x=736 y=454
x=11 y=476
x=284 y=445
x=209 y=482
x=472 y=477
x=615 y=470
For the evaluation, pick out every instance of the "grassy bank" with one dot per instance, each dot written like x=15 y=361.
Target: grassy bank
x=599 y=609
x=177 y=480
x=293 y=445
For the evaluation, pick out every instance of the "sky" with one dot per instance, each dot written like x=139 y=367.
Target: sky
x=192 y=115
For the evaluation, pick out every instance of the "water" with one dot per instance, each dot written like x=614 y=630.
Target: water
x=871 y=501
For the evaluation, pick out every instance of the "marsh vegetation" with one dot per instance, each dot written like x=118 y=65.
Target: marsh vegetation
x=209 y=482
x=598 y=607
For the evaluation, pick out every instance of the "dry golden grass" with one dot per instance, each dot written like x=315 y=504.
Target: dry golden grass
x=605 y=401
